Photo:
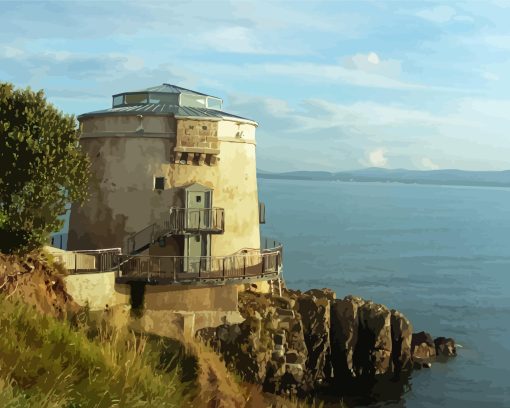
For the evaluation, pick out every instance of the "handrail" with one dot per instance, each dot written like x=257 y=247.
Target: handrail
x=90 y=261
x=179 y=221
x=91 y=251
x=184 y=269
x=267 y=263
x=269 y=244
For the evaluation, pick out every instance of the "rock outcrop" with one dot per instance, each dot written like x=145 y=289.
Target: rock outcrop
x=422 y=348
x=445 y=347
x=401 y=338
x=300 y=342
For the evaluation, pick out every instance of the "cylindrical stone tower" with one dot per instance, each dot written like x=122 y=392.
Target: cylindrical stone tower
x=173 y=175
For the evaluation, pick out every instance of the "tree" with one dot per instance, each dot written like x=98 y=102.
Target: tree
x=42 y=168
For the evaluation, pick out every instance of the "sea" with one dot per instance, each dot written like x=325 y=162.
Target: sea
x=439 y=254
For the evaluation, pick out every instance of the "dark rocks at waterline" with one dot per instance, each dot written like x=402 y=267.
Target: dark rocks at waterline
x=445 y=347
x=303 y=342
x=401 y=339
x=422 y=348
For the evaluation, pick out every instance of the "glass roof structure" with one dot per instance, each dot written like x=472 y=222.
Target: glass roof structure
x=167 y=99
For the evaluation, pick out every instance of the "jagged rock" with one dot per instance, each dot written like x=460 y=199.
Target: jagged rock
x=315 y=313
x=401 y=337
x=285 y=312
x=445 y=346
x=281 y=302
x=422 y=347
x=279 y=338
x=322 y=293
x=344 y=335
x=373 y=350
x=296 y=342
x=293 y=357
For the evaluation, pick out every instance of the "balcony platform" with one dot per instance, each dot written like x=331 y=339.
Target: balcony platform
x=245 y=267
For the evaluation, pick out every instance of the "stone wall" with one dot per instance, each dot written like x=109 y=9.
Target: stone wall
x=197 y=142
x=125 y=162
x=190 y=298
x=98 y=290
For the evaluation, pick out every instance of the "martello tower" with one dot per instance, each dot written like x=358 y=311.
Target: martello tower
x=174 y=175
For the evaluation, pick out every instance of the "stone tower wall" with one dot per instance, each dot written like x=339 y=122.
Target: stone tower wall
x=128 y=152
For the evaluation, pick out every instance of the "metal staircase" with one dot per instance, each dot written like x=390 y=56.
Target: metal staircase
x=178 y=221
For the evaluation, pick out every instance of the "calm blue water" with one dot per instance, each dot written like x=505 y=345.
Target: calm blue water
x=439 y=254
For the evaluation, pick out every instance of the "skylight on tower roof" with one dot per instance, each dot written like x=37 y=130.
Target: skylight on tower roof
x=167 y=94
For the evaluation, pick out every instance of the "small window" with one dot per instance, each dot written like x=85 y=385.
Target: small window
x=262 y=213
x=194 y=101
x=159 y=183
x=214 y=103
x=118 y=100
x=199 y=199
x=136 y=99
x=171 y=99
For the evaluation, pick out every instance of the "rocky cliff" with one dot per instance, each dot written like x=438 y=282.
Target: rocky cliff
x=307 y=342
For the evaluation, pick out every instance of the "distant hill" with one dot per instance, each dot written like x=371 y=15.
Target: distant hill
x=374 y=174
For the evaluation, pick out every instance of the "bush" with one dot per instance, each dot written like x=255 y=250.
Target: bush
x=42 y=168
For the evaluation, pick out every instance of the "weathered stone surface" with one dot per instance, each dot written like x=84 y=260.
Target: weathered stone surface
x=285 y=312
x=445 y=346
x=298 y=341
x=373 y=350
x=322 y=293
x=315 y=313
x=401 y=337
x=344 y=335
x=422 y=347
x=294 y=357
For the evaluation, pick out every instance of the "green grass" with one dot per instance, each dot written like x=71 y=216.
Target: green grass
x=45 y=362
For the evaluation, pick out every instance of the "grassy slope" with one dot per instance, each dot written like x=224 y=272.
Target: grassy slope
x=45 y=362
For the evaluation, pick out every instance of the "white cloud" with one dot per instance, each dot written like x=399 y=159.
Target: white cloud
x=438 y=14
x=373 y=58
x=10 y=52
x=497 y=41
x=234 y=39
x=372 y=63
x=368 y=115
x=132 y=62
x=490 y=76
x=428 y=164
x=375 y=158
x=337 y=73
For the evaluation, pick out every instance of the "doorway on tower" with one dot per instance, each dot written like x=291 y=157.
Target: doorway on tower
x=197 y=244
x=197 y=252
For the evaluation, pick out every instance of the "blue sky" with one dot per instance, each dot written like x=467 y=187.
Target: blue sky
x=333 y=85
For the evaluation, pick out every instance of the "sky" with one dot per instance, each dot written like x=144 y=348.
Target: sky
x=333 y=85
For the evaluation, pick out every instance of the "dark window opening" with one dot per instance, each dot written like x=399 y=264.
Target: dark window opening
x=262 y=213
x=159 y=183
x=137 y=298
x=135 y=99
x=199 y=199
x=118 y=100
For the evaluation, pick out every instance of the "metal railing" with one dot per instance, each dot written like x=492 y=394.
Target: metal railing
x=184 y=220
x=182 y=269
x=90 y=261
x=266 y=263
x=179 y=221
x=270 y=244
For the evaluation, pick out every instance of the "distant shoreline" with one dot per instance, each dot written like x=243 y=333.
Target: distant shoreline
x=454 y=178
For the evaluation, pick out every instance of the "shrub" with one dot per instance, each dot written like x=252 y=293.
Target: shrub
x=42 y=168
